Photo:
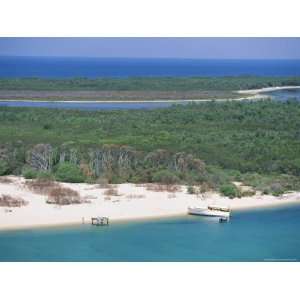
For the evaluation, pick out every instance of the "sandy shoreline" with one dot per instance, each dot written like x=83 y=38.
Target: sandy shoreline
x=133 y=203
x=130 y=101
x=268 y=89
x=252 y=94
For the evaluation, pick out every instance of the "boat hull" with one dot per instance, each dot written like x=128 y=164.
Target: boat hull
x=207 y=212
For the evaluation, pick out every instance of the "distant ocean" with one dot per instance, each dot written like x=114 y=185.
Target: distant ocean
x=47 y=67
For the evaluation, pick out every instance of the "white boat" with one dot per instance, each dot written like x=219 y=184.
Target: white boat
x=210 y=211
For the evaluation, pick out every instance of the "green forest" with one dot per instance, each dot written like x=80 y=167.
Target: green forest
x=147 y=83
x=209 y=144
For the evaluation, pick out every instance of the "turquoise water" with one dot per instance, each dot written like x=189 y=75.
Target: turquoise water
x=257 y=235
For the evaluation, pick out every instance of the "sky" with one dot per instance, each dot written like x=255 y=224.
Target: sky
x=196 y=48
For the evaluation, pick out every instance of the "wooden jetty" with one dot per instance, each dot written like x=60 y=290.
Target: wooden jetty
x=100 y=221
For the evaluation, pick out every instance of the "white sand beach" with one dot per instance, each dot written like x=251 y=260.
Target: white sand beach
x=252 y=94
x=246 y=97
x=132 y=202
x=268 y=89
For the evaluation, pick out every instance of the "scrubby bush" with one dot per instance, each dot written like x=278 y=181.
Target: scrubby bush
x=4 y=179
x=247 y=193
x=191 y=189
x=41 y=186
x=29 y=173
x=4 y=168
x=68 y=172
x=9 y=201
x=103 y=183
x=272 y=184
x=276 y=189
x=205 y=187
x=112 y=191
x=229 y=190
x=64 y=196
x=165 y=177
x=45 y=175
x=157 y=187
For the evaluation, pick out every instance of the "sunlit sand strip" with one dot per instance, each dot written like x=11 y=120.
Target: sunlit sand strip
x=132 y=202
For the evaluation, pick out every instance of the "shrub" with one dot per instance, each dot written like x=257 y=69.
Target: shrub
x=170 y=188
x=276 y=189
x=247 y=193
x=41 y=186
x=86 y=170
x=191 y=189
x=4 y=168
x=67 y=172
x=29 y=173
x=103 y=183
x=64 y=196
x=165 y=177
x=45 y=175
x=204 y=187
x=229 y=190
x=9 y=201
x=111 y=192
x=47 y=126
x=5 y=180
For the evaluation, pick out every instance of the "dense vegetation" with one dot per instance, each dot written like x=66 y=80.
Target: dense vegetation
x=147 y=83
x=212 y=143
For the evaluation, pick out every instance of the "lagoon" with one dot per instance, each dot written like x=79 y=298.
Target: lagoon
x=278 y=95
x=87 y=105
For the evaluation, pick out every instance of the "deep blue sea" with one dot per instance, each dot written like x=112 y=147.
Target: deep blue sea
x=271 y=234
x=59 y=67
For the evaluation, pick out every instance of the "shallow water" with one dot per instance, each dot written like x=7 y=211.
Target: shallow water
x=88 y=105
x=284 y=95
x=271 y=234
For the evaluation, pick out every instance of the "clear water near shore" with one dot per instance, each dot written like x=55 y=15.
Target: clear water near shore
x=270 y=234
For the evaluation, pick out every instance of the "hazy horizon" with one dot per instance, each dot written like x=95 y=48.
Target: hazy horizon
x=154 y=48
x=141 y=58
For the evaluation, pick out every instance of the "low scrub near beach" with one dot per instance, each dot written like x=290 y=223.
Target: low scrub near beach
x=41 y=186
x=10 y=201
x=55 y=192
x=64 y=196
